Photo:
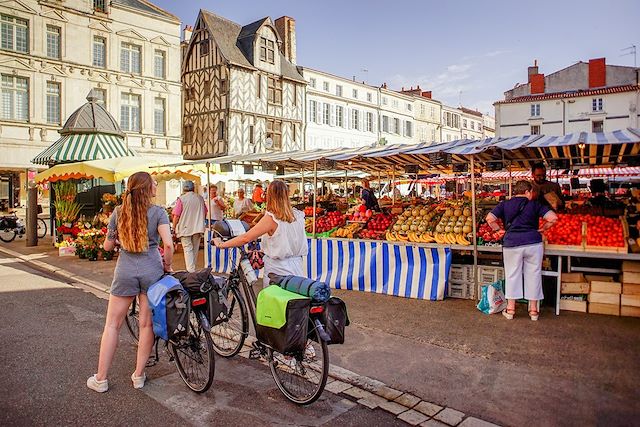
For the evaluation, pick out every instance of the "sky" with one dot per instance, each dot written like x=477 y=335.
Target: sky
x=468 y=52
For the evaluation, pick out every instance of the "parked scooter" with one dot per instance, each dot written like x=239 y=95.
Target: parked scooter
x=10 y=227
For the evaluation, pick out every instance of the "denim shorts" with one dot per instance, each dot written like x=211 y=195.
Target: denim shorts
x=135 y=272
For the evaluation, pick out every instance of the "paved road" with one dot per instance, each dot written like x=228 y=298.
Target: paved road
x=50 y=333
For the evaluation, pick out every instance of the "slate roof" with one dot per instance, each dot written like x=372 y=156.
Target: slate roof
x=146 y=6
x=91 y=118
x=236 y=43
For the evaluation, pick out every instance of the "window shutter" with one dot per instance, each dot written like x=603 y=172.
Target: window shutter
x=347 y=117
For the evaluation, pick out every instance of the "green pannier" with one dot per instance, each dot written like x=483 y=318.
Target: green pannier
x=282 y=319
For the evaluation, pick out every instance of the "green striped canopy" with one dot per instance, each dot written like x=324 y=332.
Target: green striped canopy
x=81 y=147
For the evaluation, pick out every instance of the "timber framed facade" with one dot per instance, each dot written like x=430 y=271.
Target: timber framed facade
x=241 y=94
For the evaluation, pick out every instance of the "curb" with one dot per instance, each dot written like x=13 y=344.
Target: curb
x=364 y=390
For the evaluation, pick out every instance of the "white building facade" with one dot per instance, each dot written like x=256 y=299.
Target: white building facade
x=585 y=97
x=451 y=122
x=397 y=124
x=53 y=53
x=340 y=113
x=471 y=124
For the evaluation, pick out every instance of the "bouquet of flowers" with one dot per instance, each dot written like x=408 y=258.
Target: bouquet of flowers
x=90 y=243
x=109 y=199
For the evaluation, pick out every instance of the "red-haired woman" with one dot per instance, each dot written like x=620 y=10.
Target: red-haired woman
x=138 y=225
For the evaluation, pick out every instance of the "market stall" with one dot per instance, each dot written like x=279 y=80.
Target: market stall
x=578 y=151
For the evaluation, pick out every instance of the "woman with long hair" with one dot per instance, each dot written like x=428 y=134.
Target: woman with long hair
x=138 y=225
x=282 y=230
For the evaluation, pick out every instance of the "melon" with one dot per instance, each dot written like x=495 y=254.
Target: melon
x=466 y=229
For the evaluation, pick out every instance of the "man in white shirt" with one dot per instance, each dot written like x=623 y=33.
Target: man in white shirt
x=188 y=223
x=216 y=204
x=242 y=204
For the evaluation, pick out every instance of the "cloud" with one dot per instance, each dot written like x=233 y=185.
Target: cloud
x=495 y=53
x=458 y=68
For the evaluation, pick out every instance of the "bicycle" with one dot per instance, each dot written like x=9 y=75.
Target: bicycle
x=10 y=227
x=42 y=228
x=300 y=376
x=192 y=353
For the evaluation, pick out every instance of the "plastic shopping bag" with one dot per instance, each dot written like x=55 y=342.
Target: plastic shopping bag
x=492 y=299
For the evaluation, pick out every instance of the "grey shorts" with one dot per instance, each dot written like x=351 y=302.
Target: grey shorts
x=135 y=272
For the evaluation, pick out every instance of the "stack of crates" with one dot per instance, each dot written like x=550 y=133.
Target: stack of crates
x=461 y=282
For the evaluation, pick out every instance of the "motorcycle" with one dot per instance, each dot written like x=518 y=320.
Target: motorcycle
x=10 y=227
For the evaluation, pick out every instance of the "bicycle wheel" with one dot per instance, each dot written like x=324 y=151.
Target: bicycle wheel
x=229 y=330
x=193 y=356
x=302 y=378
x=42 y=228
x=132 y=320
x=8 y=234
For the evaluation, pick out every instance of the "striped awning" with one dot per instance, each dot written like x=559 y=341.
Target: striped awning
x=81 y=147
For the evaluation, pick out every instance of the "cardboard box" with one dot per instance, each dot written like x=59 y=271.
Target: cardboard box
x=631 y=266
x=67 y=251
x=603 y=298
x=592 y=278
x=630 y=289
x=631 y=277
x=606 y=287
x=610 y=309
x=573 y=277
x=630 y=300
x=574 y=288
x=571 y=305
x=629 y=311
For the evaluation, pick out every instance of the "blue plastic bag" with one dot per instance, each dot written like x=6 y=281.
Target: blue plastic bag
x=492 y=299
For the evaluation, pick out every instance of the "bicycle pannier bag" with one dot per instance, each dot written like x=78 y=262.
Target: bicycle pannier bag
x=282 y=319
x=335 y=319
x=192 y=281
x=170 y=306
x=219 y=303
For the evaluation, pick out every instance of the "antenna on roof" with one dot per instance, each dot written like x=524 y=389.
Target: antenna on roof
x=631 y=51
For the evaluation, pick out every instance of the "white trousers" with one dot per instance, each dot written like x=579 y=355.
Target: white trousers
x=190 y=248
x=523 y=262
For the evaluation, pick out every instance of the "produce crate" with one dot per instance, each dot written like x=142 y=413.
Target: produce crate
x=573 y=305
x=488 y=274
x=630 y=277
x=604 y=298
x=611 y=249
x=574 y=288
x=573 y=278
x=630 y=289
x=463 y=290
x=631 y=266
x=461 y=273
x=322 y=235
x=630 y=300
x=629 y=311
x=606 y=287
x=610 y=309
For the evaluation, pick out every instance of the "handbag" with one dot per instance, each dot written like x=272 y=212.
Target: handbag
x=255 y=255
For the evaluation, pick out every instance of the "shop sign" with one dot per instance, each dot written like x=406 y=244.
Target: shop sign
x=439 y=158
x=326 y=164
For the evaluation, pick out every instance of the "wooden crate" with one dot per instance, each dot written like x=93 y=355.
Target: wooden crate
x=573 y=278
x=629 y=311
x=631 y=266
x=606 y=287
x=602 y=298
x=571 y=305
x=631 y=277
x=592 y=277
x=610 y=309
x=608 y=249
x=574 y=288
x=630 y=289
x=630 y=300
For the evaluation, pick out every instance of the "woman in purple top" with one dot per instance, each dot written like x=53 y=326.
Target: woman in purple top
x=522 y=246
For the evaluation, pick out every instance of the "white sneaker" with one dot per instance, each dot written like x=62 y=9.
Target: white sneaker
x=95 y=385
x=138 y=382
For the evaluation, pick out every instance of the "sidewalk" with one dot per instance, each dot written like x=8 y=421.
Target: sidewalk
x=563 y=370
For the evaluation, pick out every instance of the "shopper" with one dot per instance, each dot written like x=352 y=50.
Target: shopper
x=242 y=204
x=368 y=198
x=138 y=225
x=522 y=246
x=216 y=205
x=282 y=230
x=188 y=223
x=547 y=192
x=258 y=196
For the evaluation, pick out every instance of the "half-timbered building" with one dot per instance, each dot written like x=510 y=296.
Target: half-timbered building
x=242 y=92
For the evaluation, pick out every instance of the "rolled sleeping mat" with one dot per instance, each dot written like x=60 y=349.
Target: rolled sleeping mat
x=317 y=291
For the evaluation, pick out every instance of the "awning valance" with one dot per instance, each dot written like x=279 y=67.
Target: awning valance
x=82 y=147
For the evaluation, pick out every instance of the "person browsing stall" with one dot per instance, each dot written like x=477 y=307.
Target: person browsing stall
x=548 y=193
x=188 y=223
x=242 y=204
x=522 y=246
x=258 y=196
x=138 y=225
x=282 y=231
x=216 y=204
x=368 y=198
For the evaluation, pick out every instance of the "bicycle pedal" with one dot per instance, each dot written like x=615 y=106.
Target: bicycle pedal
x=151 y=362
x=254 y=354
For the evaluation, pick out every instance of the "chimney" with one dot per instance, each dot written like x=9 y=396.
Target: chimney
x=597 y=73
x=427 y=94
x=536 y=83
x=532 y=70
x=412 y=91
x=286 y=28
x=186 y=33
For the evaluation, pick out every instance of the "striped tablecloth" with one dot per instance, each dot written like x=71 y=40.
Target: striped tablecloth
x=367 y=266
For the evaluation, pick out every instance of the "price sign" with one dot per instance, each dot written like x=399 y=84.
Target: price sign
x=439 y=158
x=411 y=169
x=495 y=166
x=226 y=167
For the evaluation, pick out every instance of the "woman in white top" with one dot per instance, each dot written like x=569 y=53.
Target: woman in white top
x=282 y=230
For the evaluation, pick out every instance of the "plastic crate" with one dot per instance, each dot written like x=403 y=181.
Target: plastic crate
x=463 y=290
x=489 y=274
x=461 y=273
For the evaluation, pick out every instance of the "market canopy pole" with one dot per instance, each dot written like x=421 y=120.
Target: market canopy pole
x=209 y=206
x=302 y=183
x=315 y=195
x=473 y=225
x=393 y=181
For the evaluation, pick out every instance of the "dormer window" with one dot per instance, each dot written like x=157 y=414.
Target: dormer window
x=267 y=50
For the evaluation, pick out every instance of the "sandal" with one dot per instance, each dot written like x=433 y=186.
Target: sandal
x=509 y=313
x=534 y=314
